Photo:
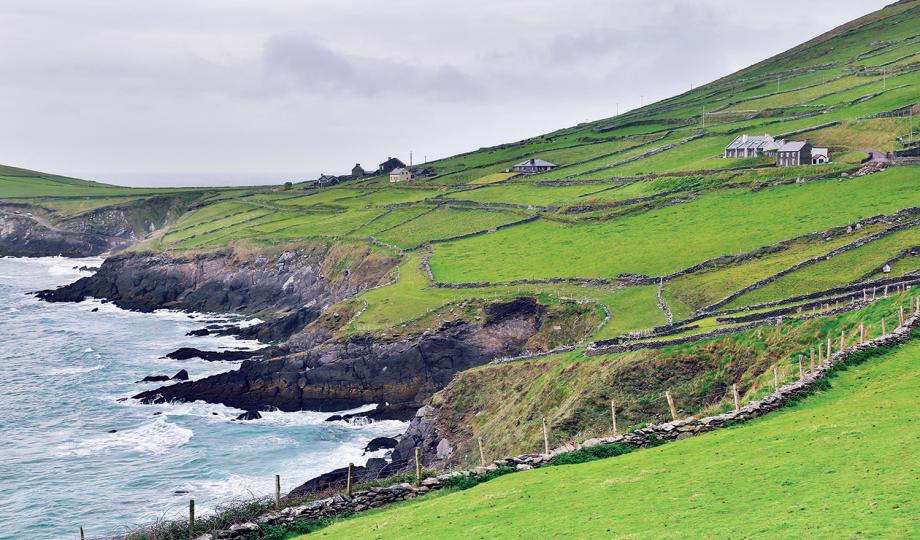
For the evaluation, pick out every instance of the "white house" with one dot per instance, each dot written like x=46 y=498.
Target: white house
x=400 y=174
x=819 y=155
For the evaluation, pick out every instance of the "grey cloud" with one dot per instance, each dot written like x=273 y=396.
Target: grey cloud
x=297 y=62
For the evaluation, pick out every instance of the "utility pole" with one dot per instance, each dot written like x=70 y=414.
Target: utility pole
x=642 y=100
x=777 y=83
x=884 y=78
x=704 y=117
x=410 y=158
x=618 y=108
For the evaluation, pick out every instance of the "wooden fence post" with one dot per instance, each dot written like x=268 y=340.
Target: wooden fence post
x=482 y=454
x=613 y=416
x=351 y=472
x=277 y=492
x=735 y=396
x=776 y=378
x=545 y=437
x=883 y=327
x=811 y=362
x=862 y=332
x=801 y=368
x=900 y=315
x=191 y=518
x=820 y=353
x=418 y=466
x=667 y=395
x=829 y=354
x=843 y=341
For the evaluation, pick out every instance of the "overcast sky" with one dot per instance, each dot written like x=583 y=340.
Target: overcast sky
x=181 y=92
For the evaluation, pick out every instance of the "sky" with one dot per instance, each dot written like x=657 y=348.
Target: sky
x=222 y=92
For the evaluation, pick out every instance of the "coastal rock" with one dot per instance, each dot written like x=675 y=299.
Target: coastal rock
x=362 y=369
x=249 y=415
x=380 y=443
x=184 y=353
x=154 y=378
x=181 y=375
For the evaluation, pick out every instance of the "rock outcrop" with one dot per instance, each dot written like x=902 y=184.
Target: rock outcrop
x=363 y=370
x=294 y=284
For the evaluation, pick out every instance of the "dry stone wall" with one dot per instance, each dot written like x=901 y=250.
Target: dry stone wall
x=643 y=437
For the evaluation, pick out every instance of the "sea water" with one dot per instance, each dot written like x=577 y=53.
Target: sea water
x=63 y=370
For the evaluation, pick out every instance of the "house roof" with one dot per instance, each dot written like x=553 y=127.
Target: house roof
x=398 y=170
x=750 y=141
x=792 y=146
x=536 y=162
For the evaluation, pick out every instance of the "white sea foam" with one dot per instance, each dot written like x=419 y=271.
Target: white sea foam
x=74 y=370
x=156 y=437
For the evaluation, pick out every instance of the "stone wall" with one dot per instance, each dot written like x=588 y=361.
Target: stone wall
x=643 y=437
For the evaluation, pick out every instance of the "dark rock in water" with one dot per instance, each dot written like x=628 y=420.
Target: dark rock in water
x=379 y=443
x=375 y=469
x=185 y=353
x=182 y=375
x=335 y=418
x=213 y=414
x=121 y=399
x=383 y=411
x=180 y=492
x=199 y=332
x=249 y=415
x=158 y=413
x=113 y=431
x=94 y=310
x=154 y=378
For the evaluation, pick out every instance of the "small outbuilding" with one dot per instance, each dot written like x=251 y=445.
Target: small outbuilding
x=820 y=155
x=533 y=166
x=327 y=180
x=401 y=174
x=357 y=171
x=793 y=154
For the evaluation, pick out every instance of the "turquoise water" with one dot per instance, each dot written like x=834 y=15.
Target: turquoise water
x=62 y=370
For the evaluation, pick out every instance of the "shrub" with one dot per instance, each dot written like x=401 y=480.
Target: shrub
x=593 y=453
x=465 y=482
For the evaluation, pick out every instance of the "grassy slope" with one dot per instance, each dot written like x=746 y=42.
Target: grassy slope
x=711 y=214
x=840 y=464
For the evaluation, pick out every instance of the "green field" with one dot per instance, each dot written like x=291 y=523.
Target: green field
x=836 y=465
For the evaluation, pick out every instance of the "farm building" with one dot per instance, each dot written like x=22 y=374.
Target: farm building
x=357 y=171
x=794 y=153
x=820 y=155
x=327 y=180
x=400 y=174
x=533 y=166
x=390 y=164
x=747 y=146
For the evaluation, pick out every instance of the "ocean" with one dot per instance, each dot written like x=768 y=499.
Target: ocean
x=63 y=369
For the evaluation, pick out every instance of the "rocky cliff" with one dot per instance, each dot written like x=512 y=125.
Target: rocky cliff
x=294 y=283
x=28 y=230
x=362 y=370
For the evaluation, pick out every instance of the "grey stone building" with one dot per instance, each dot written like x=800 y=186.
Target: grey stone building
x=794 y=153
x=533 y=166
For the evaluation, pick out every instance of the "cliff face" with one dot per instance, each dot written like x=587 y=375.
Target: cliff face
x=22 y=236
x=363 y=370
x=303 y=280
x=98 y=231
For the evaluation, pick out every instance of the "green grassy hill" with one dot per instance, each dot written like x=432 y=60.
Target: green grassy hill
x=648 y=228
x=837 y=465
